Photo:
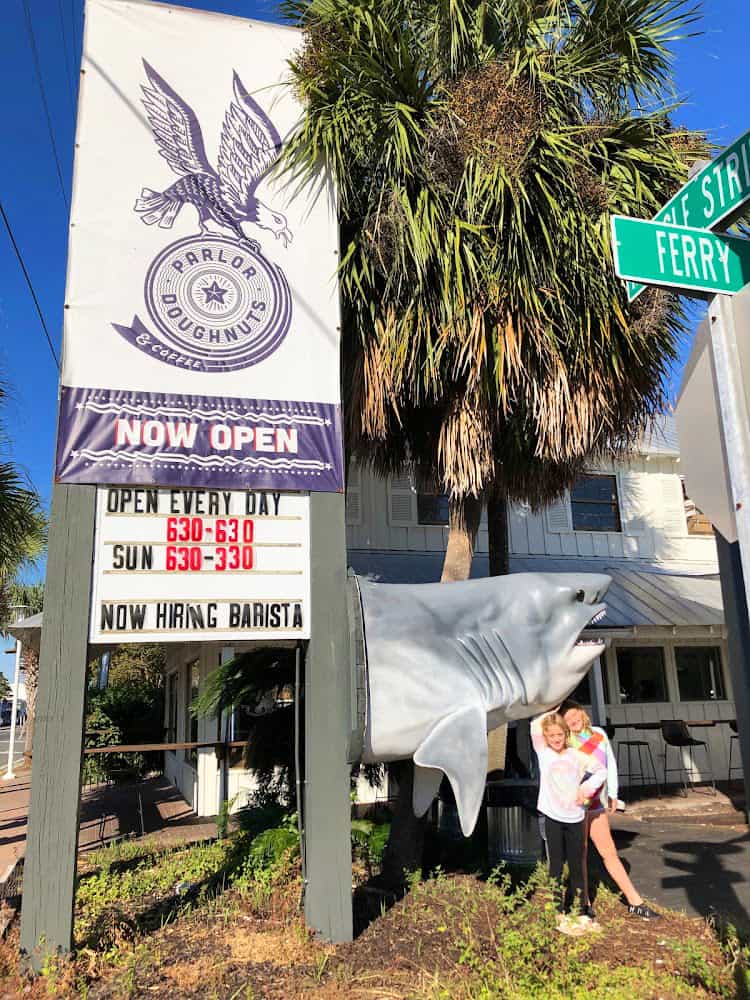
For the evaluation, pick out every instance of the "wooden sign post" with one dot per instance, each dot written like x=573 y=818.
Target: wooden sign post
x=52 y=839
x=327 y=810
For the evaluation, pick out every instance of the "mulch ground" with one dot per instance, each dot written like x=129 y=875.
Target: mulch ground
x=226 y=951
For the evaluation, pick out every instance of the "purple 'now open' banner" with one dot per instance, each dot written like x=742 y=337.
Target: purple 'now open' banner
x=117 y=436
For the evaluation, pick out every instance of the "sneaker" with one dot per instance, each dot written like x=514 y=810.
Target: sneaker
x=644 y=911
x=572 y=926
x=589 y=924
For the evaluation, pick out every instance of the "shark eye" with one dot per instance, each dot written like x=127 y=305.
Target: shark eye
x=581 y=595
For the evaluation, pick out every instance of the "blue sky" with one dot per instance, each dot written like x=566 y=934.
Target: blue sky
x=709 y=74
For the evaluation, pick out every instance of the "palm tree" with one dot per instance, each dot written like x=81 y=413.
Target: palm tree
x=22 y=521
x=23 y=535
x=478 y=151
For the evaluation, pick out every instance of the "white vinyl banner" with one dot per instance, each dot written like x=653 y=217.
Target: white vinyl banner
x=174 y=565
x=201 y=337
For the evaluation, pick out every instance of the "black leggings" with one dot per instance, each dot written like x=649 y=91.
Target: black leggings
x=567 y=842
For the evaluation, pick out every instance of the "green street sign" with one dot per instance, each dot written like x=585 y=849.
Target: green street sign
x=691 y=260
x=714 y=195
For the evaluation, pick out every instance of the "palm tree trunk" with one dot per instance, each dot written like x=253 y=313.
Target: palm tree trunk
x=31 y=670
x=403 y=852
x=497 y=529
x=465 y=514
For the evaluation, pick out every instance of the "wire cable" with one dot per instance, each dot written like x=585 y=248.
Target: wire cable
x=73 y=25
x=19 y=256
x=64 y=36
x=35 y=55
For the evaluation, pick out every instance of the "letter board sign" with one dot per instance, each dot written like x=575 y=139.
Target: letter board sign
x=175 y=565
x=201 y=334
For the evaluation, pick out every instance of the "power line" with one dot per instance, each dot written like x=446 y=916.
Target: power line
x=64 y=36
x=73 y=26
x=35 y=54
x=28 y=282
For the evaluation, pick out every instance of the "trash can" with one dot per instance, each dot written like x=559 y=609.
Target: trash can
x=512 y=822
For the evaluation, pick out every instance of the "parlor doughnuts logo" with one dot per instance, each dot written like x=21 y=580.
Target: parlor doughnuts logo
x=215 y=302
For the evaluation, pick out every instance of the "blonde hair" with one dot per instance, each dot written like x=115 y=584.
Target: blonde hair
x=573 y=706
x=555 y=721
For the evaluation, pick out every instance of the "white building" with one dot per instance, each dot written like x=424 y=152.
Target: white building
x=667 y=652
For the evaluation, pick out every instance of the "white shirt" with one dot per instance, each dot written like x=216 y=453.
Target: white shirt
x=560 y=777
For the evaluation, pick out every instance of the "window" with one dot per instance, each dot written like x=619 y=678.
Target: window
x=641 y=674
x=593 y=504
x=192 y=682
x=172 y=708
x=432 y=508
x=699 y=673
x=583 y=693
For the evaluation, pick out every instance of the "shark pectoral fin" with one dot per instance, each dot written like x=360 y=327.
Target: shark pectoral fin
x=426 y=786
x=457 y=745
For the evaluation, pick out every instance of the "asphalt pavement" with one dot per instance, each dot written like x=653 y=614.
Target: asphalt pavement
x=697 y=868
x=4 y=745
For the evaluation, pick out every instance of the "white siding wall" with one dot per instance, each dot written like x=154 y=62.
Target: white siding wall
x=382 y=516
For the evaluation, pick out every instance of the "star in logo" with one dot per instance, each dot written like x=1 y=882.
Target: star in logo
x=214 y=292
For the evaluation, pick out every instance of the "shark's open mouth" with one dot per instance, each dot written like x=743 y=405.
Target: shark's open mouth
x=587 y=641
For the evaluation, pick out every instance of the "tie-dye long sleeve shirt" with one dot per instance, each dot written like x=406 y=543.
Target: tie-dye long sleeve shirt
x=595 y=744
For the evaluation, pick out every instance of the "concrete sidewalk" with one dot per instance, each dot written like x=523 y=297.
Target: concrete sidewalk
x=107 y=813
x=14 y=806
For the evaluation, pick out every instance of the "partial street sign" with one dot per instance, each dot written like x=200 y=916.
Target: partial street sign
x=713 y=196
x=691 y=260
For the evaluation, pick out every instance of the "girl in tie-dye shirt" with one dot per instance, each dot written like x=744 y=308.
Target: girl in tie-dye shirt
x=594 y=744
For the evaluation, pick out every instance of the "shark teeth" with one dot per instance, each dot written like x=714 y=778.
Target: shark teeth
x=597 y=617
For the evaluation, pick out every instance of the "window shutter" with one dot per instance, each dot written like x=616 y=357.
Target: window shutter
x=633 y=503
x=354 y=495
x=559 y=517
x=672 y=506
x=402 y=501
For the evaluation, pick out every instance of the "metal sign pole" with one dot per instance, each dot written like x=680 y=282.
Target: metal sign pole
x=734 y=417
x=733 y=588
x=10 y=773
x=736 y=433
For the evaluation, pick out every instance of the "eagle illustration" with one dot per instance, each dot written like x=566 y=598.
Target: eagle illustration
x=248 y=147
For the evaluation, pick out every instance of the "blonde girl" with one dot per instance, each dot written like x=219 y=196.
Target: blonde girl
x=564 y=786
x=594 y=744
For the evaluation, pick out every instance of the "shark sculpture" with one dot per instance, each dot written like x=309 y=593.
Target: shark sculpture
x=446 y=663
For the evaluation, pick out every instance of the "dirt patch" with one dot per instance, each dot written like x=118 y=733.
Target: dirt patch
x=453 y=936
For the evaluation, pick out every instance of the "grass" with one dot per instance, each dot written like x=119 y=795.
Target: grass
x=222 y=920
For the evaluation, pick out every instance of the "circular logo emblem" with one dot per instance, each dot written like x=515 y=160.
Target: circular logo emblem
x=218 y=302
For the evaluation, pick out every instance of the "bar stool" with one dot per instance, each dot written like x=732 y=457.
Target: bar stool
x=637 y=745
x=732 y=740
x=676 y=734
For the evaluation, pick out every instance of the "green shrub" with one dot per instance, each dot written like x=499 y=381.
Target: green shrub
x=368 y=842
